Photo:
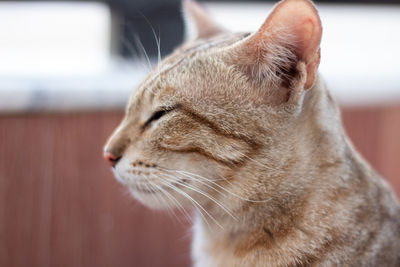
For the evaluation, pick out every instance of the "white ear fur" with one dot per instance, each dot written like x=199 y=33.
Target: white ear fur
x=198 y=22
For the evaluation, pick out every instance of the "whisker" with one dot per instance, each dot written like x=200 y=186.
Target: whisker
x=149 y=187
x=154 y=34
x=173 y=199
x=139 y=43
x=206 y=195
x=158 y=43
x=134 y=53
x=159 y=46
x=193 y=176
x=159 y=55
x=172 y=187
x=195 y=202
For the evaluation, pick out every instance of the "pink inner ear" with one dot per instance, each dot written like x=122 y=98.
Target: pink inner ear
x=301 y=21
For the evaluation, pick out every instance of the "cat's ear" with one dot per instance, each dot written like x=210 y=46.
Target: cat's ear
x=290 y=36
x=198 y=22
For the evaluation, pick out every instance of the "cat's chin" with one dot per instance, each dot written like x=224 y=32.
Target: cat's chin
x=160 y=199
x=148 y=199
x=152 y=199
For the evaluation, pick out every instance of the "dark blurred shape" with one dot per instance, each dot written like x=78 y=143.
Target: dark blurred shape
x=146 y=20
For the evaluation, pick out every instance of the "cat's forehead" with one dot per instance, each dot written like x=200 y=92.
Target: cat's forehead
x=184 y=54
x=183 y=60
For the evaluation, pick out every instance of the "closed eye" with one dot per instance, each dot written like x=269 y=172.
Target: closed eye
x=157 y=115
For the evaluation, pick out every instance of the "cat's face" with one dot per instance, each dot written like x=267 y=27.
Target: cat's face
x=182 y=120
x=192 y=125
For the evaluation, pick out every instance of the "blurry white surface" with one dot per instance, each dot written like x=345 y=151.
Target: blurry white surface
x=56 y=56
x=109 y=90
x=43 y=39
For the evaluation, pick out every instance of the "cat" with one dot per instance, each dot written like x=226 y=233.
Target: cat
x=241 y=127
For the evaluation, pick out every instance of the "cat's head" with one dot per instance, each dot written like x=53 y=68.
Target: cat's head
x=218 y=106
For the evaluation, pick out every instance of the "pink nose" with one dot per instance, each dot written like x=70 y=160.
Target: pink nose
x=110 y=158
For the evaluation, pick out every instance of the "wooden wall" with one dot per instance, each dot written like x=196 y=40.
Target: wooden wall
x=60 y=205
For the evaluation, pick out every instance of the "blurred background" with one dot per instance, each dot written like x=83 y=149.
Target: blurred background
x=66 y=72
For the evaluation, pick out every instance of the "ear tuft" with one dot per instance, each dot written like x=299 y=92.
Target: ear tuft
x=198 y=22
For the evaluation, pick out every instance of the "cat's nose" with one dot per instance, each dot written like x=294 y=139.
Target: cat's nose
x=111 y=158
